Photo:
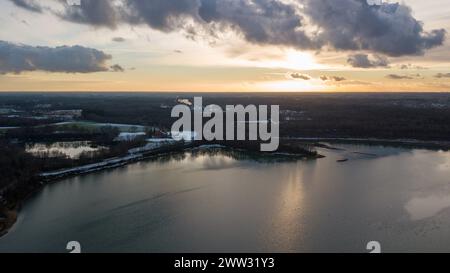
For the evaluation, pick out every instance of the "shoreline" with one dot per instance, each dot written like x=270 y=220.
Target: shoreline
x=11 y=212
x=113 y=163
x=133 y=156
x=407 y=143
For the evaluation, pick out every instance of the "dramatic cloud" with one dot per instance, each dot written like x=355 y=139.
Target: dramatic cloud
x=17 y=58
x=442 y=75
x=259 y=21
x=298 y=76
x=30 y=5
x=92 y=12
x=388 y=29
x=332 y=78
x=164 y=15
x=364 y=61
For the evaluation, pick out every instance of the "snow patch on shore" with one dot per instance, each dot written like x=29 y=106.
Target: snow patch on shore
x=129 y=136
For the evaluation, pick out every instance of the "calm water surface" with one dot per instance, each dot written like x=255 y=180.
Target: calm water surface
x=217 y=202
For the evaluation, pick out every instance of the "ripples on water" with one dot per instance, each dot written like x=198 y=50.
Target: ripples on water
x=227 y=202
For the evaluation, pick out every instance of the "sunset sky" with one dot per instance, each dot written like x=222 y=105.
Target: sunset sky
x=224 y=45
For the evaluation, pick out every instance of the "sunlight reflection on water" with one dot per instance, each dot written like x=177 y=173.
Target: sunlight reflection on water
x=227 y=202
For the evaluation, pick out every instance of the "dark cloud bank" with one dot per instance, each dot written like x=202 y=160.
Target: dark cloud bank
x=389 y=29
x=17 y=58
x=342 y=25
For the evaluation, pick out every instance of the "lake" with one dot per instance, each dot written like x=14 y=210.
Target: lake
x=223 y=202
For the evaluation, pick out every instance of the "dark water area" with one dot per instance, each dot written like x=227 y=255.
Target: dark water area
x=216 y=202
